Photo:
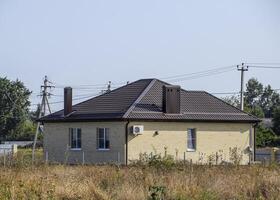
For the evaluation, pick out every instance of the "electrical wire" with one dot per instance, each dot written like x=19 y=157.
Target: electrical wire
x=90 y=86
x=74 y=99
x=200 y=75
x=79 y=95
x=199 y=72
x=175 y=78
x=264 y=67
x=263 y=63
x=188 y=75
x=233 y=93
x=222 y=93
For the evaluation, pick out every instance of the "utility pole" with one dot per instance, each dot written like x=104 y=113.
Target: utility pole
x=242 y=68
x=42 y=110
x=109 y=86
x=108 y=89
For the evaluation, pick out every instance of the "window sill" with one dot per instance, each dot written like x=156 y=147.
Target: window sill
x=75 y=149
x=191 y=150
x=103 y=149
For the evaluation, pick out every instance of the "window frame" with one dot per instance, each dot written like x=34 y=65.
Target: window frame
x=194 y=140
x=74 y=131
x=104 y=139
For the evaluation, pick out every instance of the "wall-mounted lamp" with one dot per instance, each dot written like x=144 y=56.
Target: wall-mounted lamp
x=156 y=133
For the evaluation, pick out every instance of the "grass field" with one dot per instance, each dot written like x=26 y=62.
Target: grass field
x=160 y=180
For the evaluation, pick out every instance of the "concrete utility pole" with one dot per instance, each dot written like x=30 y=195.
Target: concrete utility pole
x=108 y=89
x=42 y=110
x=242 y=68
x=109 y=86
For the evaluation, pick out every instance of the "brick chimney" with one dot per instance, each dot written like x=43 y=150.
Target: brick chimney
x=67 y=100
x=171 y=99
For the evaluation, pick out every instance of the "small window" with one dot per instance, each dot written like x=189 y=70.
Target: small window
x=191 y=140
x=102 y=136
x=75 y=138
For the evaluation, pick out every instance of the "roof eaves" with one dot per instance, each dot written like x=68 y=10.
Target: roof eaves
x=257 y=119
x=192 y=120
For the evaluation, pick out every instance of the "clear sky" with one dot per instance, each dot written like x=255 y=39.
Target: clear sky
x=79 y=42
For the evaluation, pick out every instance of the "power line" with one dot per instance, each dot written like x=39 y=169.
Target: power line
x=90 y=86
x=222 y=93
x=263 y=63
x=78 y=95
x=200 y=76
x=188 y=76
x=174 y=78
x=84 y=96
x=264 y=67
x=84 y=88
x=74 y=99
x=233 y=93
x=199 y=72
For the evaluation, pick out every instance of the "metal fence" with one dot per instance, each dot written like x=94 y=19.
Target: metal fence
x=268 y=155
x=8 y=149
x=20 y=143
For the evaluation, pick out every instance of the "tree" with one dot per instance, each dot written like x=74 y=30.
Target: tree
x=264 y=136
x=269 y=100
x=256 y=111
x=276 y=120
x=33 y=115
x=257 y=95
x=24 y=132
x=253 y=91
x=232 y=100
x=13 y=105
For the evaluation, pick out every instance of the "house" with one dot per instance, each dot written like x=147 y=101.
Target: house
x=148 y=116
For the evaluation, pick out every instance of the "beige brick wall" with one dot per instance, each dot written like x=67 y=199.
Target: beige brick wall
x=211 y=138
x=56 y=142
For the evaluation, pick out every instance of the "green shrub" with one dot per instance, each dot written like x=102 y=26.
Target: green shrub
x=157 y=192
x=156 y=160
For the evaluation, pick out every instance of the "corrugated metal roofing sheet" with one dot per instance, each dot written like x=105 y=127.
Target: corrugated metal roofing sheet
x=142 y=100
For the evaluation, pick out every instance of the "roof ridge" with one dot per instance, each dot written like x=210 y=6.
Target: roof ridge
x=139 y=98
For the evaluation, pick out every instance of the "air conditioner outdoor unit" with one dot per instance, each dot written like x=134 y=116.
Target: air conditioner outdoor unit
x=137 y=129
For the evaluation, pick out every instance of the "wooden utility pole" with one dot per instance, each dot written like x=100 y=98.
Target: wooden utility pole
x=42 y=110
x=242 y=68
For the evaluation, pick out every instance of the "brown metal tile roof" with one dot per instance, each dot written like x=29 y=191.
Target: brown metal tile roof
x=142 y=100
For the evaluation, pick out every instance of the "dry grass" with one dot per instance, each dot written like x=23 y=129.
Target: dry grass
x=158 y=179
x=139 y=182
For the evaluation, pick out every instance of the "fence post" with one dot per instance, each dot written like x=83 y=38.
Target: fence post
x=273 y=154
x=47 y=157
x=4 y=157
x=119 y=158
x=272 y=158
x=184 y=157
x=83 y=157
